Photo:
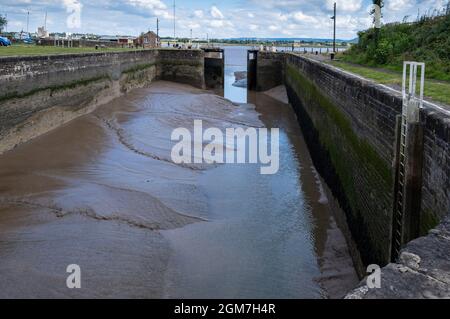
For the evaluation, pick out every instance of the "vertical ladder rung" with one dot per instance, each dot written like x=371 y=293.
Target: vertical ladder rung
x=409 y=96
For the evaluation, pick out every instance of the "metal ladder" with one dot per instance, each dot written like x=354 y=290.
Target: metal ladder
x=410 y=114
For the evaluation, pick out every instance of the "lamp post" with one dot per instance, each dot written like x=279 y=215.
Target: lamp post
x=174 y=21
x=334 y=28
x=157 y=32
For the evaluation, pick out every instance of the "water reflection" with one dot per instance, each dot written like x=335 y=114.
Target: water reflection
x=235 y=61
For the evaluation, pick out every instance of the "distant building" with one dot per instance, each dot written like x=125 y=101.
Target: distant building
x=126 y=41
x=121 y=41
x=108 y=38
x=147 y=40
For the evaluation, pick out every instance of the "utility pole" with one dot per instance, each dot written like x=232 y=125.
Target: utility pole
x=28 y=20
x=174 y=20
x=191 y=36
x=334 y=29
x=157 y=31
x=45 y=21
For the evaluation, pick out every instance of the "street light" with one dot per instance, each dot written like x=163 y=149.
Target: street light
x=334 y=29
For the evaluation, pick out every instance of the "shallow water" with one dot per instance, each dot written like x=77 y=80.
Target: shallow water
x=259 y=241
x=102 y=192
x=266 y=234
x=235 y=60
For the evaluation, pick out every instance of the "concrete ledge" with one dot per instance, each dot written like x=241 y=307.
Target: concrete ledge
x=422 y=271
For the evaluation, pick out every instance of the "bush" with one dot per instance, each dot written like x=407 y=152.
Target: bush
x=426 y=40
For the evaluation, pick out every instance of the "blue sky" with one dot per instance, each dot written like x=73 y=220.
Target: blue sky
x=220 y=19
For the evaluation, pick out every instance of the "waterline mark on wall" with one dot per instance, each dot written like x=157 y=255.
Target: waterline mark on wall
x=232 y=146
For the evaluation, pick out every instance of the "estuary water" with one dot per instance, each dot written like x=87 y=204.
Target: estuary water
x=102 y=193
x=266 y=235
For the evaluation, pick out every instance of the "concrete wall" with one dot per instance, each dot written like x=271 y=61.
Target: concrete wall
x=214 y=68
x=40 y=93
x=436 y=168
x=350 y=126
x=422 y=271
x=182 y=66
x=266 y=70
x=252 y=59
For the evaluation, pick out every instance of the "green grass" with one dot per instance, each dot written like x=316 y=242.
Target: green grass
x=427 y=39
x=22 y=49
x=438 y=91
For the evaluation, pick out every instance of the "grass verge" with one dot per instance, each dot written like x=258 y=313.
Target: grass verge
x=27 y=50
x=438 y=91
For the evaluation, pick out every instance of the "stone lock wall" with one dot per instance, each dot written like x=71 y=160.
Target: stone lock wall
x=265 y=70
x=214 y=68
x=351 y=127
x=182 y=66
x=435 y=202
x=39 y=93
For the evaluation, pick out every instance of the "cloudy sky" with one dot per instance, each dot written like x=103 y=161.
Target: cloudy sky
x=220 y=19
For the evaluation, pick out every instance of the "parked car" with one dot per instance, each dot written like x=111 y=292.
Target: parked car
x=4 y=42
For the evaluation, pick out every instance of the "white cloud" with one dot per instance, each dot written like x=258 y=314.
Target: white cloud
x=163 y=14
x=155 y=7
x=287 y=32
x=304 y=18
x=273 y=27
x=282 y=17
x=220 y=23
x=149 y=4
x=216 y=13
x=198 y=13
x=193 y=25
x=345 y=5
x=397 y=5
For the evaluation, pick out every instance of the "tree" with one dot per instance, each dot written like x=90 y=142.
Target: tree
x=3 y=22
